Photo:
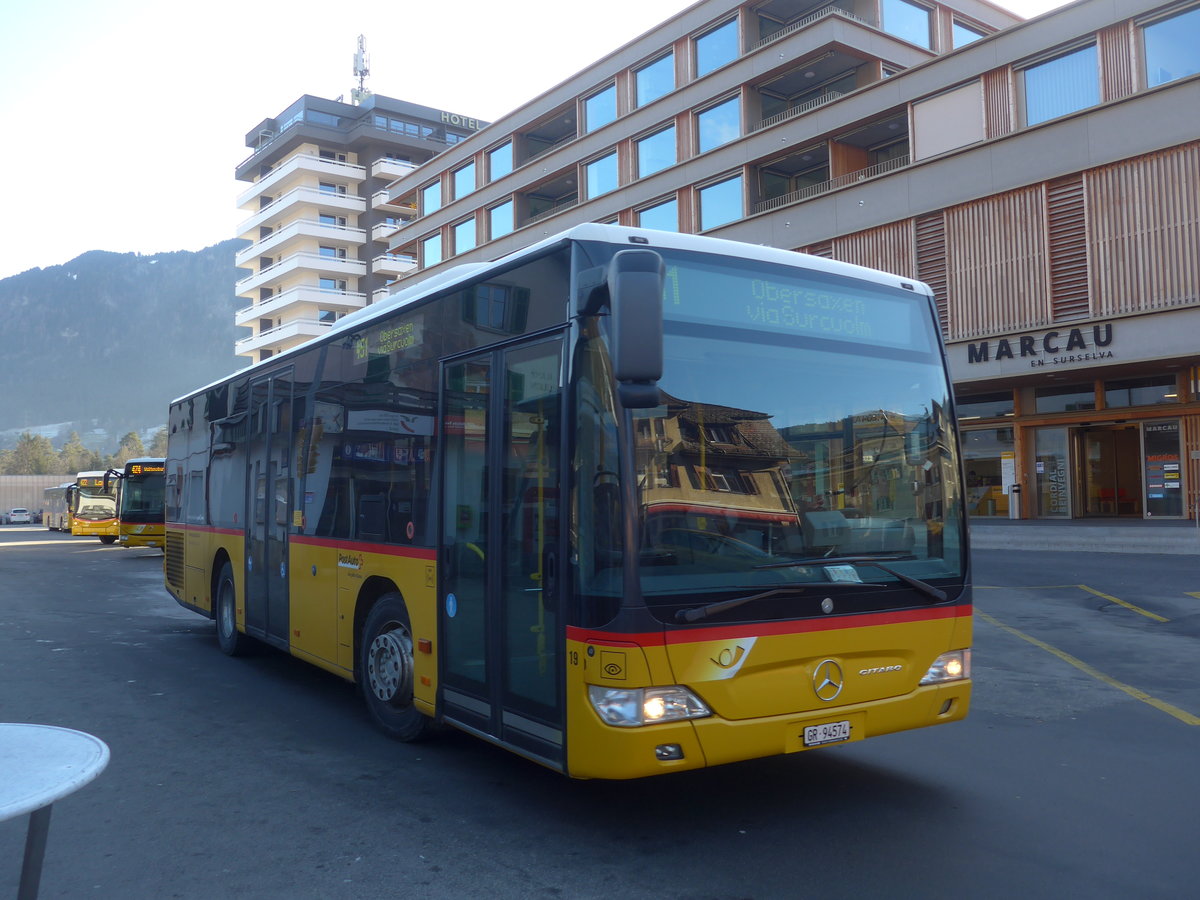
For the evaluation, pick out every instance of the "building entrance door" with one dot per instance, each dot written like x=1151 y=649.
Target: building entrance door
x=1108 y=470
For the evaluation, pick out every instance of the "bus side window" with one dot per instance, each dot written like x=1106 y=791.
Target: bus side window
x=372 y=517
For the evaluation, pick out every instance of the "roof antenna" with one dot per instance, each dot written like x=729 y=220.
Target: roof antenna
x=362 y=68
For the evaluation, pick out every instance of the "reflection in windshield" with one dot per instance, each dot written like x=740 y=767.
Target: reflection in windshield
x=770 y=446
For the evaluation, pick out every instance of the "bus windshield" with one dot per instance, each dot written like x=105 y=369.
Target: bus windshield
x=92 y=502
x=802 y=439
x=142 y=492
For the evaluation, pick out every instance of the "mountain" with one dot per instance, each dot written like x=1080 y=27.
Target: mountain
x=107 y=340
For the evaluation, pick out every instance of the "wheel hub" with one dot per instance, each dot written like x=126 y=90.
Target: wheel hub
x=390 y=665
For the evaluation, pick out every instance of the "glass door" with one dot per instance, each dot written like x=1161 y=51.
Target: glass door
x=269 y=511
x=501 y=429
x=1051 y=464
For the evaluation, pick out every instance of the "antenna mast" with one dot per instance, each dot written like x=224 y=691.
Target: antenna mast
x=362 y=68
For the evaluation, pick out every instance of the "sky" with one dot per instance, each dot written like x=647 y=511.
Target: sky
x=126 y=118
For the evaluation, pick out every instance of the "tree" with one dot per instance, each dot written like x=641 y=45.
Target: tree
x=158 y=447
x=74 y=457
x=130 y=448
x=33 y=455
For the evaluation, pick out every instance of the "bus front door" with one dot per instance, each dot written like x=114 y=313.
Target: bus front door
x=499 y=596
x=269 y=508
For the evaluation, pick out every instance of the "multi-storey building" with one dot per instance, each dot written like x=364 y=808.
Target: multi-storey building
x=317 y=213
x=1042 y=176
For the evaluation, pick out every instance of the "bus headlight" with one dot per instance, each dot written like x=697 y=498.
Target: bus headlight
x=629 y=708
x=952 y=666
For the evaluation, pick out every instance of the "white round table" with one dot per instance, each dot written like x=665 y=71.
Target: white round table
x=40 y=764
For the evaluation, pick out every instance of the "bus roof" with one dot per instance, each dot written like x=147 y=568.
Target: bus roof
x=590 y=231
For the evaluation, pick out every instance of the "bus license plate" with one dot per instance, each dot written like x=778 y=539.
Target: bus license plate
x=827 y=733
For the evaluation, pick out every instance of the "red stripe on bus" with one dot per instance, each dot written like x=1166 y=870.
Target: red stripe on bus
x=703 y=634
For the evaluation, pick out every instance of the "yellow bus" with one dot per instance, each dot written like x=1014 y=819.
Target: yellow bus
x=624 y=502
x=92 y=506
x=54 y=501
x=139 y=486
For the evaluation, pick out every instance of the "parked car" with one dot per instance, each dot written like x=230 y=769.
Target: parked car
x=19 y=516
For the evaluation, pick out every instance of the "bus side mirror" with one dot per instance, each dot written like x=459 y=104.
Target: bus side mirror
x=635 y=288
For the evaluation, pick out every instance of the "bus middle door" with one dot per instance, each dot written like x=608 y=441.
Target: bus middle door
x=269 y=501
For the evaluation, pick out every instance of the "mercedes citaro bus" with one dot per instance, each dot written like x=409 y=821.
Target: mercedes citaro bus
x=624 y=502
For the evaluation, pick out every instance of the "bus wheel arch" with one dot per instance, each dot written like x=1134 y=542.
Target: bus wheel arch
x=383 y=665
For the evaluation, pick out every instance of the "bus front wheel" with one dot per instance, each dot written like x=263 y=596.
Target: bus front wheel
x=108 y=538
x=231 y=641
x=385 y=671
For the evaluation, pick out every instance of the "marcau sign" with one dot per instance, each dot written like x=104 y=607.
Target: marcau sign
x=1057 y=347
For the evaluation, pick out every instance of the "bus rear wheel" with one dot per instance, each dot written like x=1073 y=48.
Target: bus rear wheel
x=231 y=641
x=385 y=671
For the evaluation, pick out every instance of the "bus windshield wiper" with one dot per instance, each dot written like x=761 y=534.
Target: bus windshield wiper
x=702 y=612
x=924 y=587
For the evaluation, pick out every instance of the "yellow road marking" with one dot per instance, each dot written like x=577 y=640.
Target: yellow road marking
x=1082 y=587
x=1182 y=715
x=1124 y=603
x=1195 y=594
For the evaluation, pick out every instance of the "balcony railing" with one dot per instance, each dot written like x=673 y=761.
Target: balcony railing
x=304 y=328
x=305 y=228
x=324 y=297
x=317 y=261
x=798 y=110
x=814 y=190
x=556 y=208
x=805 y=22
x=307 y=162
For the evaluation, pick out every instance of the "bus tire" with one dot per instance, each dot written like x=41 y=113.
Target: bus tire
x=108 y=538
x=231 y=641
x=385 y=671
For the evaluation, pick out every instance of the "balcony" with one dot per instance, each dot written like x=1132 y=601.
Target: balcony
x=293 y=169
x=277 y=241
x=798 y=110
x=378 y=296
x=391 y=168
x=316 y=263
x=832 y=184
x=293 y=298
x=804 y=21
x=286 y=336
x=392 y=264
x=298 y=199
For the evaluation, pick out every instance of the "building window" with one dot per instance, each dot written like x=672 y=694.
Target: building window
x=464 y=236
x=654 y=80
x=656 y=151
x=431 y=198
x=332 y=252
x=964 y=34
x=464 y=180
x=1173 y=47
x=662 y=216
x=328 y=188
x=719 y=124
x=907 y=21
x=985 y=406
x=716 y=48
x=500 y=161
x=326 y=219
x=600 y=108
x=328 y=316
x=500 y=219
x=332 y=284
x=1060 y=86
x=721 y=203
x=431 y=250
x=1141 y=391
x=1064 y=398
x=601 y=175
